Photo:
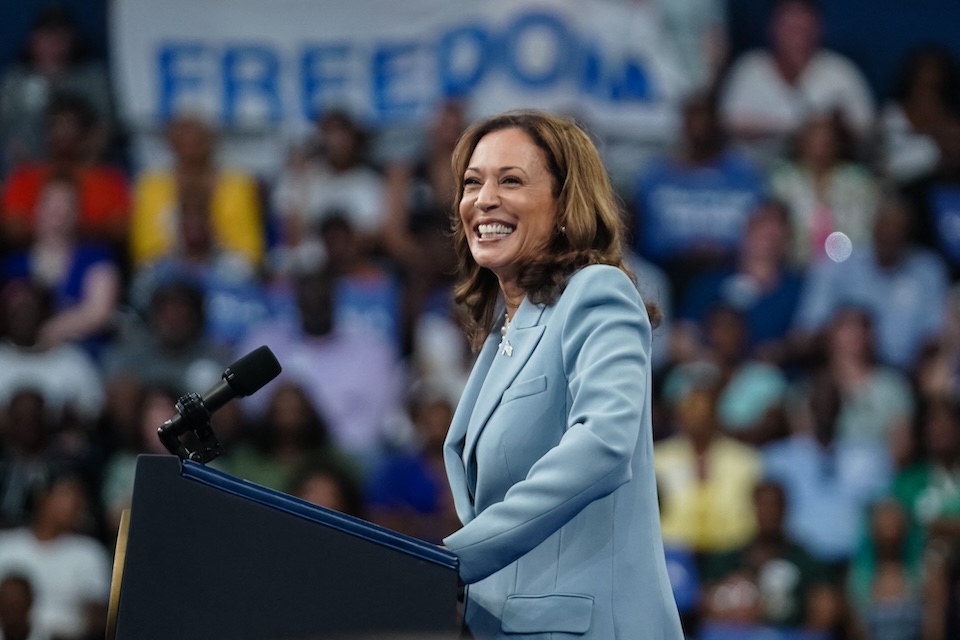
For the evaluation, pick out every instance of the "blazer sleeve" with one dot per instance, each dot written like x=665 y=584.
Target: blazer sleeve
x=605 y=347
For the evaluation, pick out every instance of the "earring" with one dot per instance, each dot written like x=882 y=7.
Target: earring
x=563 y=230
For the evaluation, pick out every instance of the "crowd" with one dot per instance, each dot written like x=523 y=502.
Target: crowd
x=802 y=237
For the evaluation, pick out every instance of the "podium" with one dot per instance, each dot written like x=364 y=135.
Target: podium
x=204 y=555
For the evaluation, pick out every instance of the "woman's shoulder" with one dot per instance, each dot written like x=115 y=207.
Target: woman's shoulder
x=597 y=273
x=598 y=284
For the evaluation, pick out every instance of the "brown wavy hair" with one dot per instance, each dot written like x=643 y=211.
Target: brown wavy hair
x=589 y=225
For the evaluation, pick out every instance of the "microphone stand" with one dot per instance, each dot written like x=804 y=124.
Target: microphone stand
x=194 y=423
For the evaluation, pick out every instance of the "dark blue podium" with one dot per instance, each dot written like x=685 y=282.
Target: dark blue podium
x=204 y=555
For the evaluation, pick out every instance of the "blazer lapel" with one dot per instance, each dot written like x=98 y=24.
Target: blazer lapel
x=454 y=443
x=523 y=335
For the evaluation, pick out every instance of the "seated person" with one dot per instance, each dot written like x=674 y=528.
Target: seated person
x=761 y=283
x=234 y=297
x=706 y=478
x=791 y=585
x=102 y=190
x=82 y=275
x=691 y=206
x=234 y=202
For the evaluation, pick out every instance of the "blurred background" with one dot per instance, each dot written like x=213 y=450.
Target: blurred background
x=182 y=182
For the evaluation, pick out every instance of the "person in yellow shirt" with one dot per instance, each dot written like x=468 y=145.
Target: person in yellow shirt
x=706 y=479
x=235 y=210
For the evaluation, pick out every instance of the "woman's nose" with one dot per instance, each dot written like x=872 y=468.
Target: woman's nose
x=487 y=197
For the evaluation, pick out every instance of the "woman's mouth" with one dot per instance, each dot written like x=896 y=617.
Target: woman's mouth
x=494 y=230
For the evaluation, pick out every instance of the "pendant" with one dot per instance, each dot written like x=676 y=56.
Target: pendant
x=505 y=347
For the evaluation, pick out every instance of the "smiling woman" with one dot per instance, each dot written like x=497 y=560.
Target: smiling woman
x=549 y=455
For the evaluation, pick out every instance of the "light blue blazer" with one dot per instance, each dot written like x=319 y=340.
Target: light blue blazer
x=550 y=459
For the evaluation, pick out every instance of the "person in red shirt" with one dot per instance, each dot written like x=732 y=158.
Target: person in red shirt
x=103 y=190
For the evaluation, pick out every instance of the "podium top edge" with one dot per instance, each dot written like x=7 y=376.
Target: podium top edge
x=321 y=515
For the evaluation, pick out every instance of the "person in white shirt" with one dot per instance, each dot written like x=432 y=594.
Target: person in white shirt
x=69 y=571
x=770 y=92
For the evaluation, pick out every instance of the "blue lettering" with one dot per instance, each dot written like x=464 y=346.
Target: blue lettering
x=174 y=80
x=323 y=69
x=633 y=84
x=394 y=69
x=564 y=49
x=251 y=72
x=456 y=76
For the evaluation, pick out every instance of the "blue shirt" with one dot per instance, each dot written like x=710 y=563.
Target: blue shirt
x=828 y=489
x=683 y=208
x=906 y=301
x=768 y=314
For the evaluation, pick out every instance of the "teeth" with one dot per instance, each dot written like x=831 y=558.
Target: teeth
x=494 y=229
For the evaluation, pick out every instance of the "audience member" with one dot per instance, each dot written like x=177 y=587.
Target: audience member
x=762 y=284
x=769 y=93
x=351 y=377
x=420 y=194
x=102 y=190
x=885 y=583
x=332 y=178
x=705 y=478
x=407 y=491
x=28 y=459
x=16 y=610
x=169 y=350
x=876 y=401
x=232 y=197
x=901 y=285
x=750 y=392
x=929 y=491
x=155 y=406
x=26 y=363
x=828 y=480
x=692 y=205
x=824 y=189
x=53 y=61
x=794 y=590
x=330 y=483
x=926 y=98
x=234 y=297
x=935 y=198
x=368 y=296
x=937 y=373
x=82 y=275
x=290 y=435
x=70 y=570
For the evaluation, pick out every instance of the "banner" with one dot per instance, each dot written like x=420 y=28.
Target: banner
x=275 y=64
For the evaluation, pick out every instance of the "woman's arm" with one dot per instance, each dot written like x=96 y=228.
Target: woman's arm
x=94 y=311
x=605 y=345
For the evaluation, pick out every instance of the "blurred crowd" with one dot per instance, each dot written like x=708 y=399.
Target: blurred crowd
x=802 y=236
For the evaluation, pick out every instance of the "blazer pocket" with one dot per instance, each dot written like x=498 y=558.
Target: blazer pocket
x=555 y=612
x=525 y=388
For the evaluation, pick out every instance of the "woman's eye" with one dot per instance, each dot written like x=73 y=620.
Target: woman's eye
x=470 y=181
x=511 y=180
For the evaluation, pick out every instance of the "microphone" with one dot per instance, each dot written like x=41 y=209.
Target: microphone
x=244 y=377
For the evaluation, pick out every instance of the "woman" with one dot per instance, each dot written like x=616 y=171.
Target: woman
x=825 y=188
x=549 y=455
x=82 y=275
x=234 y=200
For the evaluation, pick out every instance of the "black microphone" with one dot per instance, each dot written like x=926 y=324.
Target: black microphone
x=242 y=378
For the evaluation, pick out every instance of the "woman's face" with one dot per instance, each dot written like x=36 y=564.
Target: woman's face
x=508 y=209
x=57 y=210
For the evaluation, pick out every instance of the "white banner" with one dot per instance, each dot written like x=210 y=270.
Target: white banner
x=273 y=65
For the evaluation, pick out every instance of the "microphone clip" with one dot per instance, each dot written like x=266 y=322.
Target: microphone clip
x=189 y=435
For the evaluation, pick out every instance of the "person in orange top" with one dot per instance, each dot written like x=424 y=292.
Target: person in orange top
x=102 y=189
x=234 y=199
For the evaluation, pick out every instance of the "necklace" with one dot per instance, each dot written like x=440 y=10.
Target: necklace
x=505 y=347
